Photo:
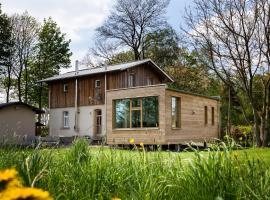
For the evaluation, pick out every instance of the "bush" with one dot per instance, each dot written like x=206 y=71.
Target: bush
x=243 y=135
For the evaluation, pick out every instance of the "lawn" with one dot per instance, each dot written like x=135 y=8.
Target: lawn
x=82 y=172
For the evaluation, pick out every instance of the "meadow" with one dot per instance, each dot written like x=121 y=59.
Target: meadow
x=83 y=172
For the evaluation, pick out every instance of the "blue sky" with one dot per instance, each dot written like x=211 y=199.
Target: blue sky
x=79 y=18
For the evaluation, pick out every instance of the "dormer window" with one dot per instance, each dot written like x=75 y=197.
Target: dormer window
x=97 y=84
x=65 y=87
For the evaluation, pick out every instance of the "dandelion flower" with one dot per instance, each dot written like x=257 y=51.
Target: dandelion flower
x=141 y=144
x=131 y=140
x=9 y=179
x=25 y=194
x=116 y=198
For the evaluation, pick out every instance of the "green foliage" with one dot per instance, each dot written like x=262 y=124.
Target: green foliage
x=162 y=47
x=53 y=53
x=99 y=173
x=5 y=40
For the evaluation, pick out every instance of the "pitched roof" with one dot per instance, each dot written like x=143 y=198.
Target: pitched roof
x=103 y=69
x=34 y=109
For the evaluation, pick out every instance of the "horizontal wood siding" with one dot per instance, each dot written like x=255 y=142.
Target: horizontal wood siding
x=145 y=135
x=193 y=127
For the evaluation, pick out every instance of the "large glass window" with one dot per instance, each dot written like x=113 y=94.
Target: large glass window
x=176 y=114
x=150 y=111
x=136 y=112
x=122 y=113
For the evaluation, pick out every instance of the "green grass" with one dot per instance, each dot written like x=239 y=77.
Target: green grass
x=81 y=172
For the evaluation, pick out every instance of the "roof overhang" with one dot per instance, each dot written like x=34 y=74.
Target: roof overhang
x=107 y=69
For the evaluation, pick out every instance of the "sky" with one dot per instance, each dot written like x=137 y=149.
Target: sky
x=79 y=18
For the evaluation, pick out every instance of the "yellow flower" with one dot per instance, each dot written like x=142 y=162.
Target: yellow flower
x=116 y=198
x=240 y=138
x=25 y=194
x=131 y=140
x=141 y=144
x=9 y=179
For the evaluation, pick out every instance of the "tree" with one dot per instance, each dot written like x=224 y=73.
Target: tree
x=24 y=35
x=162 y=47
x=52 y=53
x=234 y=36
x=130 y=22
x=5 y=52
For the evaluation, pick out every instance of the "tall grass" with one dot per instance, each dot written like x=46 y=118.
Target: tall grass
x=86 y=173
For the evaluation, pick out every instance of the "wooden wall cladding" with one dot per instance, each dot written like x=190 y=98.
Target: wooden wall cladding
x=87 y=91
x=59 y=98
x=119 y=79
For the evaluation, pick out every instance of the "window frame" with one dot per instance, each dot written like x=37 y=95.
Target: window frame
x=66 y=120
x=131 y=109
x=213 y=115
x=178 y=124
x=97 y=85
x=205 y=115
x=65 y=87
x=133 y=82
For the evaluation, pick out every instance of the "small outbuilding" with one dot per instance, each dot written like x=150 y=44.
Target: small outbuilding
x=17 y=122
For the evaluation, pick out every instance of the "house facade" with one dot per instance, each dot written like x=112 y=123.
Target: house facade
x=129 y=100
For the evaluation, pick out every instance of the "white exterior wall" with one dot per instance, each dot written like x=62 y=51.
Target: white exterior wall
x=85 y=121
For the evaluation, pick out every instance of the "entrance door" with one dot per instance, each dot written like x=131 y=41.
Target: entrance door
x=98 y=121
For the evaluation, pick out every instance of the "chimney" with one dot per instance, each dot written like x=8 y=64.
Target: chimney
x=76 y=67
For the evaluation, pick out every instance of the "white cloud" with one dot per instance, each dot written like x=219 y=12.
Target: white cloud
x=77 y=18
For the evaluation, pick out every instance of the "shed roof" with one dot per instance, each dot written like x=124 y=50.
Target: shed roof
x=108 y=68
x=34 y=109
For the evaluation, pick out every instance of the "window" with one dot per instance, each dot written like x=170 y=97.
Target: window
x=97 y=83
x=139 y=112
x=149 y=81
x=213 y=116
x=65 y=87
x=131 y=80
x=122 y=113
x=176 y=112
x=65 y=119
x=205 y=115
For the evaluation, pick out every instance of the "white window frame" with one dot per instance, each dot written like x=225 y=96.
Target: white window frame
x=131 y=80
x=66 y=119
x=97 y=83
x=65 y=87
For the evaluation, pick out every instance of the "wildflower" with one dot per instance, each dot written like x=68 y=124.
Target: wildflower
x=141 y=144
x=25 y=194
x=240 y=138
x=9 y=179
x=131 y=140
x=116 y=198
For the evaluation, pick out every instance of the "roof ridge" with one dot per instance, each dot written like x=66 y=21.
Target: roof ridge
x=101 y=66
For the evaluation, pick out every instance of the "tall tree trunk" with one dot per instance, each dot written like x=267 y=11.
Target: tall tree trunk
x=266 y=138
x=136 y=54
x=229 y=113
x=257 y=126
x=19 y=87
x=40 y=102
x=26 y=84
x=8 y=84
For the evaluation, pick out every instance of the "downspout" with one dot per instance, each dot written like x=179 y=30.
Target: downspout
x=76 y=126
x=106 y=100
